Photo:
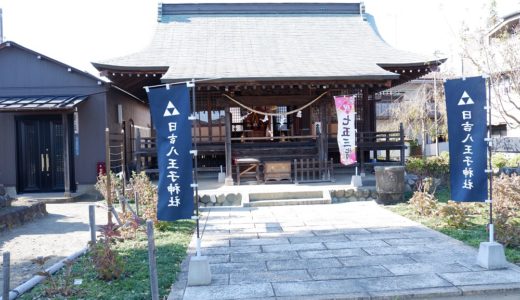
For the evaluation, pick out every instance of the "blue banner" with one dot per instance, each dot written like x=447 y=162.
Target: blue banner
x=170 y=109
x=465 y=102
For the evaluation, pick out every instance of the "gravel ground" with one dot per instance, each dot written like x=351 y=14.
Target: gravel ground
x=64 y=231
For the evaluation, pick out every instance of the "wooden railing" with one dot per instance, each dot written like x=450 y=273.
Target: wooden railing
x=387 y=141
x=313 y=170
x=381 y=140
x=285 y=148
x=273 y=138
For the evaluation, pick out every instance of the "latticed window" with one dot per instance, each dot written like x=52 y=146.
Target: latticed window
x=236 y=119
x=281 y=121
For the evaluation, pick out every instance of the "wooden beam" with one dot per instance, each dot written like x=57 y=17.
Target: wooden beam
x=275 y=100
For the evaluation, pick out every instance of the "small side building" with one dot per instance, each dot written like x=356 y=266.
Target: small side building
x=52 y=122
x=503 y=41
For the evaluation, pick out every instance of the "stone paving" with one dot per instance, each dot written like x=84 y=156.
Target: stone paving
x=340 y=251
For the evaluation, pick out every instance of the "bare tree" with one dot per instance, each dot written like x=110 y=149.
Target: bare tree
x=494 y=50
x=417 y=107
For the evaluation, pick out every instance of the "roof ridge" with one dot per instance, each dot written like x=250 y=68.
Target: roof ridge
x=171 y=9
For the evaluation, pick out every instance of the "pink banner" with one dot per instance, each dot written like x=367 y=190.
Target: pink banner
x=346 y=129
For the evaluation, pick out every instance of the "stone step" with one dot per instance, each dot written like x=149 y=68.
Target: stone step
x=282 y=202
x=286 y=195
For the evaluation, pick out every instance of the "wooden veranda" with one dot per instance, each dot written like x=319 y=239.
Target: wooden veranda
x=306 y=141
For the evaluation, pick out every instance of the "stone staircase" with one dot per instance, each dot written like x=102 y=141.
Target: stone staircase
x=288 y=198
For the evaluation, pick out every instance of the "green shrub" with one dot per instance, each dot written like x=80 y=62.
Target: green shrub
x=433 y=166
x=499 y=160
x=416 y=165
x=436 y=167
x=514 y=161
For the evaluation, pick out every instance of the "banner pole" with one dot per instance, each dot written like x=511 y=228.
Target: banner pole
x=195 y=160
x=354 y=100
x=490 y=166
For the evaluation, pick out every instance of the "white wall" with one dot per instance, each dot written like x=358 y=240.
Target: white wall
x=430 y=148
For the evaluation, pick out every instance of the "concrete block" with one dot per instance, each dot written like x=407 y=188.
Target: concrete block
x=258 y=242
x=422 y=268
x=318 y=239
x=317 y=287
x=348 y=272
x=483 y=277
x=226 y=268
x=219 y=292
x=229 y=250
x=268 y=276
x=295 y=264
x=293 y=247
x=355 y=244
x=331 y=253
x=399 y=283
x=373 y=260
x=491 y=256
x=199 y=272
x=251 y=257
x=228 y=181
x=221 y=177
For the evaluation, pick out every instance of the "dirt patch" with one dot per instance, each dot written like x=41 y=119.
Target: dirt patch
x=63 y=231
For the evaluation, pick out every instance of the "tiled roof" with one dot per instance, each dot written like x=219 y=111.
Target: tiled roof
x=267 y=46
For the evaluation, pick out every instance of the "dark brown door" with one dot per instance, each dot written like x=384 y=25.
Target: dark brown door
x=40 y=154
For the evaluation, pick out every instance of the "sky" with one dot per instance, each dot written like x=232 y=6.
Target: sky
x=78 y=32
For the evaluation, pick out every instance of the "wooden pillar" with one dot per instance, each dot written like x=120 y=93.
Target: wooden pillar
x=66 y=157
x=365 y=154
x=401 y=140
x=137 y=147
x=108 y=181
x=229 y=172
x=372 y=111
x=324 y=139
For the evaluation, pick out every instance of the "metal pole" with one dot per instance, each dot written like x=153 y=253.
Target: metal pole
x=490 y=166
x=92 y=222
x=195 y=166
x=6 y=274
x=152 y=263
x=435 y=111
x=107 y=171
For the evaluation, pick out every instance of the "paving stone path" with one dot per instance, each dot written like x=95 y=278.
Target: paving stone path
x=350 y=250
x=64 y=231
